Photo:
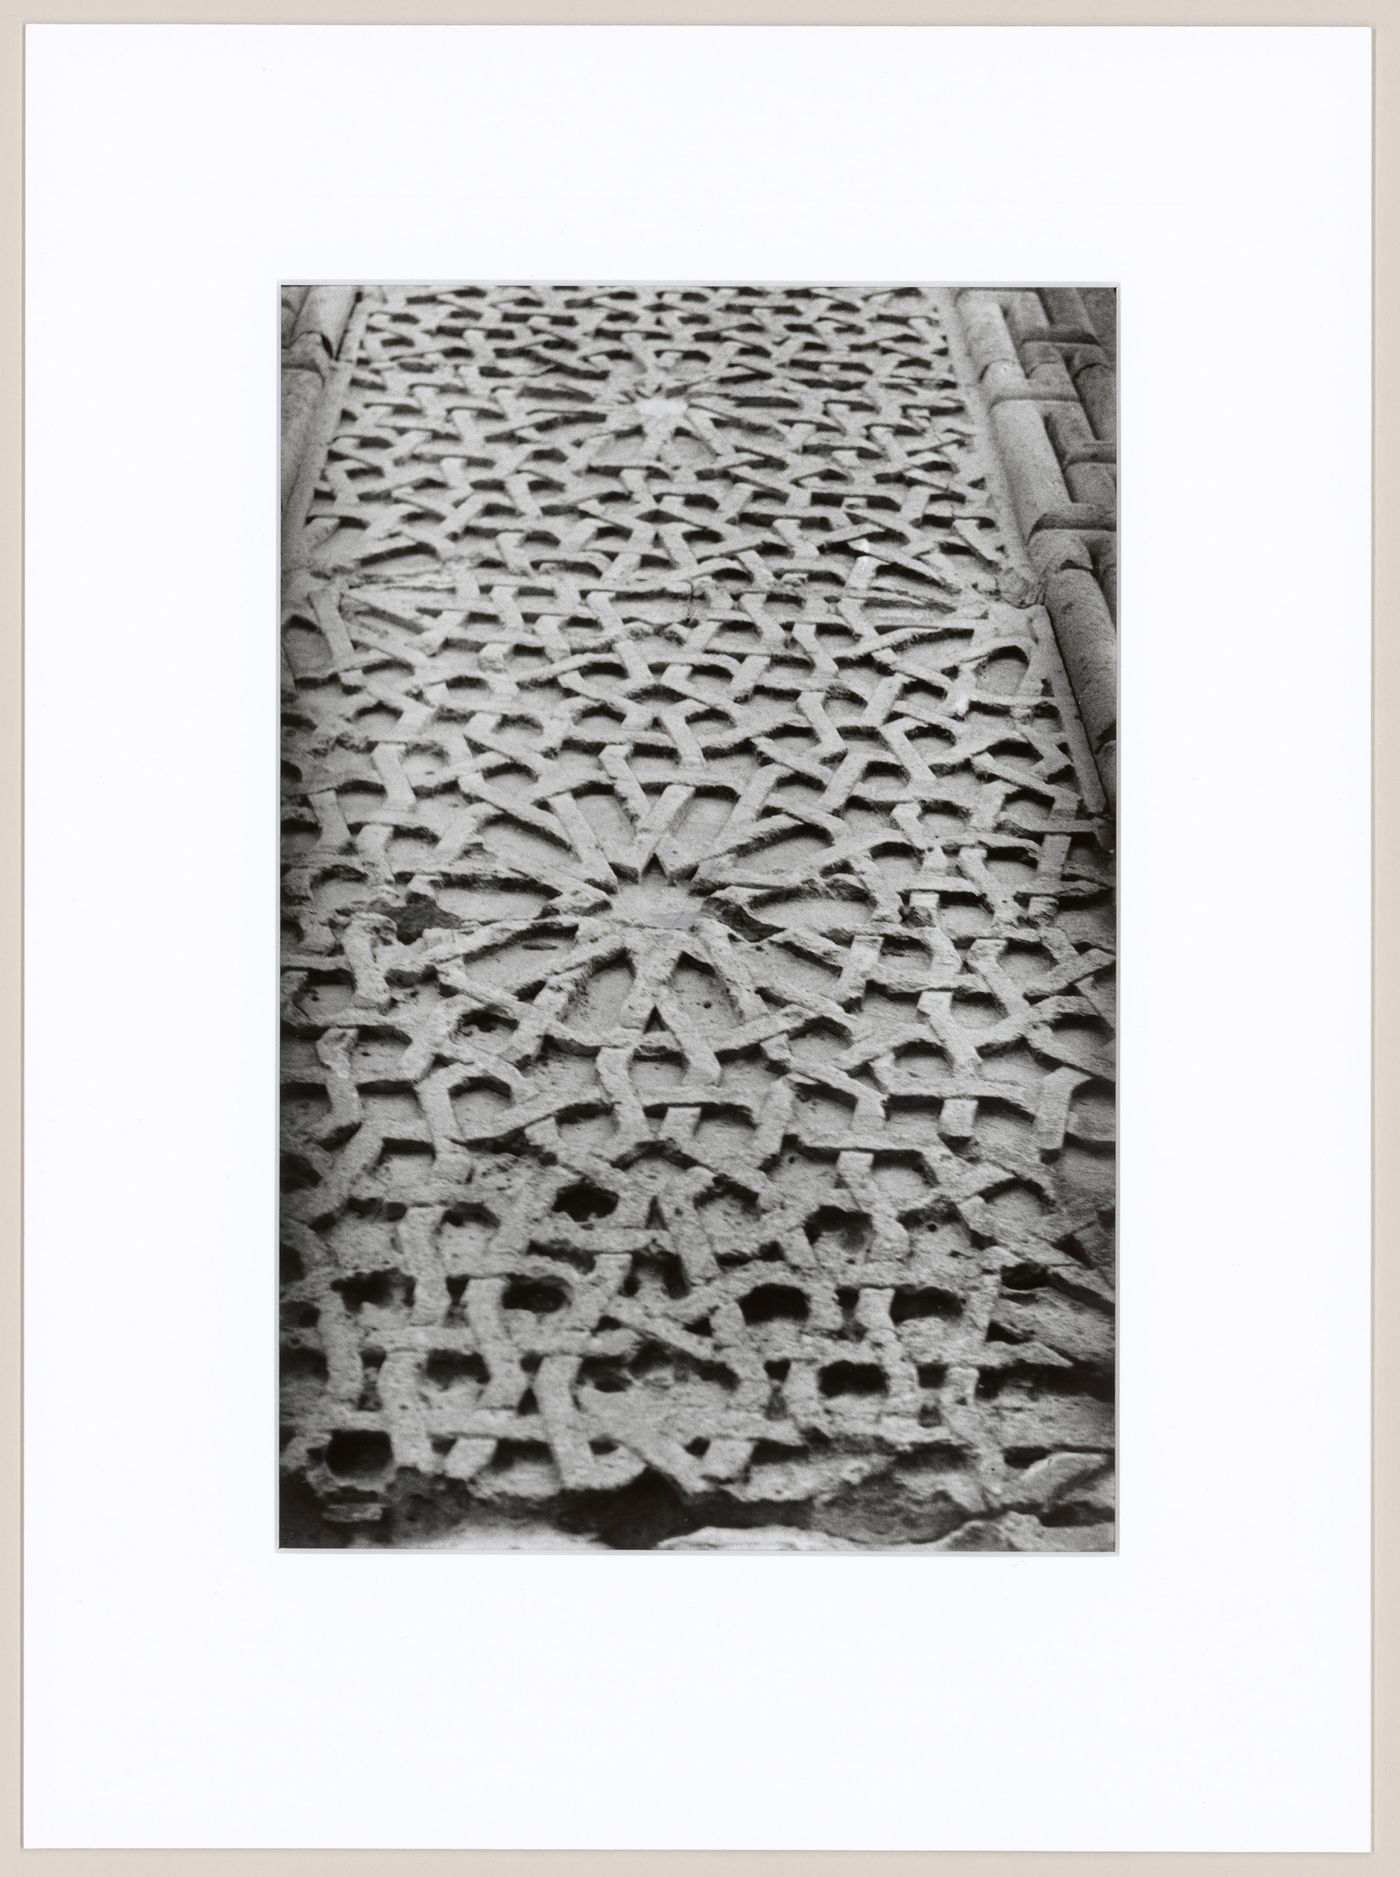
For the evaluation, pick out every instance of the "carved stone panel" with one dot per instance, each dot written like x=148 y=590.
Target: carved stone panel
x=698 y=924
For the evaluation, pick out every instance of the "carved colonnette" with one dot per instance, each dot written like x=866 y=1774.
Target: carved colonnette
x=1046 y=363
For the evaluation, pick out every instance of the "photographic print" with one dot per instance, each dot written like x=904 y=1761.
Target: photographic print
x=698 y=916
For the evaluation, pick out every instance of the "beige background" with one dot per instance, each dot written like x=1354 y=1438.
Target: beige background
x=1384 y=17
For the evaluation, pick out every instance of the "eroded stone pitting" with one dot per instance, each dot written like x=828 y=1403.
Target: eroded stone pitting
x=656 y=902
x=698 y=1054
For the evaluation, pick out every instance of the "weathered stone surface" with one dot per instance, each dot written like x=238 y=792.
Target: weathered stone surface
x=698 y=936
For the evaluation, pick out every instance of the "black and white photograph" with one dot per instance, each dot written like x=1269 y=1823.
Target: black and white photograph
x=698 y=738
x=591 y=769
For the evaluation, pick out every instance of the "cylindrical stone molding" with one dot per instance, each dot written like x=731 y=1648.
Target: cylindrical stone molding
x=313 y=324
x=1045 y=366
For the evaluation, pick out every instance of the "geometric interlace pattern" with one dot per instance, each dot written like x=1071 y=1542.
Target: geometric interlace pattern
x=698 y=937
